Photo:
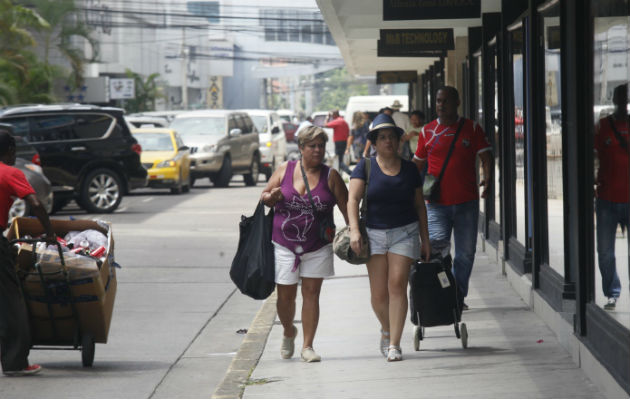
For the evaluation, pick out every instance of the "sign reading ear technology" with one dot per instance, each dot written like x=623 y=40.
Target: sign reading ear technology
x=415 y=42
x=401 y=10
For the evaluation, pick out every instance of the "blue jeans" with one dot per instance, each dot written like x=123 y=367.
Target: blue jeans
x=461 y=220
x=609 y=215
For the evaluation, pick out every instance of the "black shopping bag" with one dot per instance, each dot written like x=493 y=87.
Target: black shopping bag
x=253 y=267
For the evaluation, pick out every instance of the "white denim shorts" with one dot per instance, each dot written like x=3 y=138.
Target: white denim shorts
x=316 y=264
x=403 y=240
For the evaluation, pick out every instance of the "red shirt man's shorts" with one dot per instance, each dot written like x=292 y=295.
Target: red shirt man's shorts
x=613 y=175
x=459 y=183
x=13 y=184
x=341 y=130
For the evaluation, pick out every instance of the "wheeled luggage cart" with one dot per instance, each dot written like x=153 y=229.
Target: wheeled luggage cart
x=52 y=294
x=434 y=299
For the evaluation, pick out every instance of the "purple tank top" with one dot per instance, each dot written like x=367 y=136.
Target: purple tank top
x=294 y=225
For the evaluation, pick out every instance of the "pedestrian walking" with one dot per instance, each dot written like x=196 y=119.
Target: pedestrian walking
x=396 y=220
x=612 y=205
x=457 y=209
x=410 y=138
x=15 y=337
x=341 y=137
x=303 y=193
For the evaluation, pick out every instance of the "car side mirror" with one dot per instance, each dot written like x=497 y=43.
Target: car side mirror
x=275 y=130
x=184 y=148
x=235 y=132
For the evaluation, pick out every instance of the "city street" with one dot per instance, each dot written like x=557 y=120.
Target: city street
x=176 y=315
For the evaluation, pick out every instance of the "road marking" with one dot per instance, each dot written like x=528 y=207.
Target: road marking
x=148 y=199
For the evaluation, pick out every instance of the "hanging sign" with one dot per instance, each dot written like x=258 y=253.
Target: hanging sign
x=400 y=10
x=383 y=77
x=415 y=42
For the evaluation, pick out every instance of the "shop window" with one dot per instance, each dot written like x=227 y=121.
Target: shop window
x=612 y=172
x=497 y=140
x=516 y=47
x=553 y=131
x=479 y=105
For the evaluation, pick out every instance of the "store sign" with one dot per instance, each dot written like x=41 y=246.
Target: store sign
x=401 y=10
x=121 y=89
x=214 y=97
x=383 y=77
x=415 y=42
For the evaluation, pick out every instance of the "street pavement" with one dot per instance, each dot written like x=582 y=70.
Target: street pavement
x=511 y=352
x=176 y=314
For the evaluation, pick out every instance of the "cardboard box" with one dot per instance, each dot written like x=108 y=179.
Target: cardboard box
x=87 y=284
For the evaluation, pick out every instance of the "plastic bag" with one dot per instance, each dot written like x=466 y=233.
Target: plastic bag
x=95 y=238
x=253 y=266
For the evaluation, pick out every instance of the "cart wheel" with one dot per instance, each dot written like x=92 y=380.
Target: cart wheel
x=464 y=336
x=87 y=350
x=417 y=337
x=457 y=330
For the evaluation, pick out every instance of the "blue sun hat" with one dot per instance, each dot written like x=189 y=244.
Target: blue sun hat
x=382 y=121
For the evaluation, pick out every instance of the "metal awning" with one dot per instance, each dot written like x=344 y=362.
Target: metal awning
x=355 y=25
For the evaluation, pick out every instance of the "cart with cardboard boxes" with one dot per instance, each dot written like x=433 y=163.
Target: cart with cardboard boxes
x=70 y=298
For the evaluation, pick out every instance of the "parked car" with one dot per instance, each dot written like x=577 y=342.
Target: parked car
x=166 y=158
x=272 y=139
x=87 y=152
x=222 y=143
x=287 y=115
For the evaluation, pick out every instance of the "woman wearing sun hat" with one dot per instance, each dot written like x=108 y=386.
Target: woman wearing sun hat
x=396 y=219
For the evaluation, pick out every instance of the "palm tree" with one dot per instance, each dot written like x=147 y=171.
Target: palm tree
x=147 y=91
x=63 y=26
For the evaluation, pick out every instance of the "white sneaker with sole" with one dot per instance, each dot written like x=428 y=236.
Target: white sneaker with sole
x=288 y=345
x=394 y=353
x=309 y=355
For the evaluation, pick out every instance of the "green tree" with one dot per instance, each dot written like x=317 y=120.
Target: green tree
x=336 y=86
x=63 y=26
x=147 y=92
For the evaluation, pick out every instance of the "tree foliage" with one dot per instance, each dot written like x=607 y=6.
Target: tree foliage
x=336 y=87
x=147 y=92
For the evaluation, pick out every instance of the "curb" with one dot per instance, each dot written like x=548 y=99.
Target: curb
x=233 y=384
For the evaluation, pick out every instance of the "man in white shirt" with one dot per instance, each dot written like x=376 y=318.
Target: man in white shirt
x=400 y=119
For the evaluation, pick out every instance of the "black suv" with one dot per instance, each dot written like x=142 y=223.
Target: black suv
x=87 y=152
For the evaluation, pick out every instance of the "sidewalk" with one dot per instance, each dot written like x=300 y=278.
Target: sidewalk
x=511 y=352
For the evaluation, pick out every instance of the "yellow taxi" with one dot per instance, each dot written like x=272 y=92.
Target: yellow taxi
x=165 y=157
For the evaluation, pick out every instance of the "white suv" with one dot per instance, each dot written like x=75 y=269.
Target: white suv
x=222 y=143
x=272 y=140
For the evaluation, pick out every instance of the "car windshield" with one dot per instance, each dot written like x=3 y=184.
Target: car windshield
x=195 y=126
x=261 y=123
x=155 y=141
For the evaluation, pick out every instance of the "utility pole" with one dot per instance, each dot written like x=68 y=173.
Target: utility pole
x=184 y=71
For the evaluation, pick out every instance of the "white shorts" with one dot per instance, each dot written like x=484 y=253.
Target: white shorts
x=316 y=264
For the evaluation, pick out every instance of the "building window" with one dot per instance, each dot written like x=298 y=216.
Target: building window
x=294 y=26
x=207 y=9
x=611 y=56
x=553 y=117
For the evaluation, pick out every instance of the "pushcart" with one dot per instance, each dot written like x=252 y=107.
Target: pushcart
x=434 y=299
x=52 y=306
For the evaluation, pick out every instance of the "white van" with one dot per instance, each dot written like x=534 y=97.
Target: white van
x=371 y=105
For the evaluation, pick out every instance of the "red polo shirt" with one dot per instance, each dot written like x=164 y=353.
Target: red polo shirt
x=13 y=184
x=341 y=130
x=459 y=183
x=613 y=175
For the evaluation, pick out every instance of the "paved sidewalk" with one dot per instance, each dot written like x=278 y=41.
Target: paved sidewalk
x=511 y=352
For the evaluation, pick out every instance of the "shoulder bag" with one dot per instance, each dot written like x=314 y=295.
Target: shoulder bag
x=327 y=225
x=431 y=185
x=341 y=243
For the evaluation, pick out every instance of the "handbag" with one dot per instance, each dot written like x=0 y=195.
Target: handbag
x=326 y=225
x=431 y=185
x=253 y=266
x=341 y=243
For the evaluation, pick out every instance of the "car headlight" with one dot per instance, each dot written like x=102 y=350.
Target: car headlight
x=268 y=144
x=34 y=167
x=210 y=148
x=166 y=163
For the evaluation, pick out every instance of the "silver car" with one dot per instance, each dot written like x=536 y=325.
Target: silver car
x=222 y=143
x=273 y=143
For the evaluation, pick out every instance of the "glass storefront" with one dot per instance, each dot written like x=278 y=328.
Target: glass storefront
x=516 y=47
x=553 y=130
x=497 y=139
x=611 y=55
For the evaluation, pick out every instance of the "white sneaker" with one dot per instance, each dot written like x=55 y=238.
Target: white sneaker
x=309 y=355
x=288 y=345
x=611 y=304
x=384 y=342
x=394 y=353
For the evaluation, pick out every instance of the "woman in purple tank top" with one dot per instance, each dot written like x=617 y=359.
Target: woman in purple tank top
x=300 y=249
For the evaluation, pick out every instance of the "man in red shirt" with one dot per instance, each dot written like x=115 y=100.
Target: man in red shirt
x=613 y=190
x=15 y=337
x=457 y=210
x=341 y=137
